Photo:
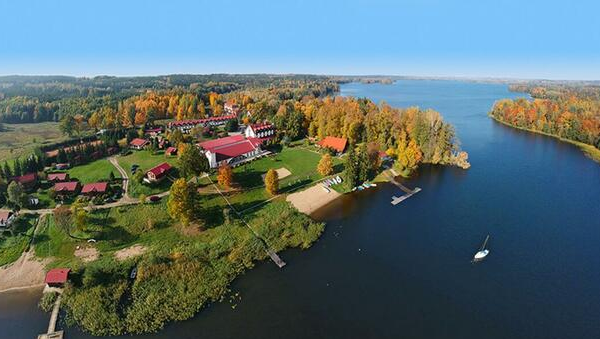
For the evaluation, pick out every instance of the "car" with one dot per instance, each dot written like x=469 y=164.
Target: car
x=154 y=198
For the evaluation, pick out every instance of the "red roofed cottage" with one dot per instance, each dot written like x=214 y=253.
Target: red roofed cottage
x=138 y=143
x=97 y=188
x=158 y=173
x=57 y=277
x=337 y=144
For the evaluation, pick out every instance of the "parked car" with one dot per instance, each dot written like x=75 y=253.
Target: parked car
x=155 y=198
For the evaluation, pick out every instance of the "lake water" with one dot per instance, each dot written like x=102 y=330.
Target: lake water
x=383 y=271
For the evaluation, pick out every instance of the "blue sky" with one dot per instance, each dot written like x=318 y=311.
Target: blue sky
x=501 y=38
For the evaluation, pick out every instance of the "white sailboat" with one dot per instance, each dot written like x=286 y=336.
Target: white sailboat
x=483 y=252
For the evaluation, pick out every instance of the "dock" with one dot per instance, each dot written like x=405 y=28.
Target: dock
x=276 y=259
x=52 y=333
x=409 y=193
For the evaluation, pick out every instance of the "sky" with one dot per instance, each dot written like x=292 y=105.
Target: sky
x=480 y=38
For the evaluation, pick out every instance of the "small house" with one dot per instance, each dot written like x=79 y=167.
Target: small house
x=57 y=277
x=157 y=173
x=58 y=177
x=171 y=151
x=6 y=218
x=138 y=144
x=95 y=189
x=262 y=131
x=334 y=143
x=69 y=188
x=28 y=181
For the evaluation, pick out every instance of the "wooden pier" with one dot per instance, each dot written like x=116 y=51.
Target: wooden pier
x=52 y=333
x=276 y=259
x=408 y=191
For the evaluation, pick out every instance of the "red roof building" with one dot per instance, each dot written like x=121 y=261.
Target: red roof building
x=57 y=277
x=138 y=143
x=95 y=188
x=337 y=144
x=171 y=151
x=28 y=180
x=70 y=187
x=186 y=125
x=58 y=177
x=263 y=131
x=158 y=173
x=231 y=150
x=6 y=218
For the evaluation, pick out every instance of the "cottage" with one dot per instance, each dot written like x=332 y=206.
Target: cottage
x=186 y=125
x=94 y=189
x=231 y=108
x=138 y=143
x=262 y=131
x=231 y=150
x=57 y=277
x=336 y=144
x=6 y=219
x=157 y=173
x=70 y=188
x=28 y=181
x=171 y=151
x=58 y=177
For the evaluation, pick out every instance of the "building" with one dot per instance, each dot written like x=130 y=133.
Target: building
x=58 y=177
x=231 y=108
x=94 y=189
x=69 y=188
x=186 y=125
x=171 y=151
x=57 y=277
x=336 y=144
x=28 y=181
x=6 y=219
x=138 y=143
x=232 y=150
x=157 y=173
x=261 y=131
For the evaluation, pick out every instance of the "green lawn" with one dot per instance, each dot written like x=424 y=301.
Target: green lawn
x=95 y=171
x=146 y=160
x=11 y=246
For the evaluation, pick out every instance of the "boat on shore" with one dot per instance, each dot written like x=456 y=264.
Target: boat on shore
x=483 y=251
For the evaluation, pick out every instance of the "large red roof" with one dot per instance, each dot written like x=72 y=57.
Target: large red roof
x=161 y=169
x=338 y=144
x=57 y=276
x=210 y=144
x=25 y=179
x=99 y=187
x=138 y=142
x=235 y=149
x=261 y=127
x=70 y=186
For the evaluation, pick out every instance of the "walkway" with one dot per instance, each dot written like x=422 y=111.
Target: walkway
x=52 y=333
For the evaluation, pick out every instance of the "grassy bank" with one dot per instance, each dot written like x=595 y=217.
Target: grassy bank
x=21 y=139
x=589 y=150
x=95 y=171
x=12 y=246
x=146 y=160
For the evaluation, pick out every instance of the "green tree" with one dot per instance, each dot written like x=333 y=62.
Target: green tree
x=272 y=182
x=191 y=161
x=351 y=170
x=15 y=193
x=182 y=201
x=364 y=163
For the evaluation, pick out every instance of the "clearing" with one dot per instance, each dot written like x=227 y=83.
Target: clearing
x=21 y=139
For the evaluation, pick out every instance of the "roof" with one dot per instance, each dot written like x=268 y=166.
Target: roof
x=202 y=121
x=70 y=186
x=57 y=176
x=171 y=150
x=138 y=142
x=4 y=215
x=57 y=276
x=25 y=179
x=235 y=149
x=261 y=127
x=338 y=144
x=95 y=187
x=207 y=145
x=160 y=170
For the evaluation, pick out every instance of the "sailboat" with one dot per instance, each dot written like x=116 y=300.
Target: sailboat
x=483 y=252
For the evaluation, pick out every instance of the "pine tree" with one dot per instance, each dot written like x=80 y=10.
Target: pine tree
x=351 y=169
x=364 y=164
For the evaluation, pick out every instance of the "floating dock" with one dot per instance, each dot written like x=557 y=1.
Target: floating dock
x=397 y=200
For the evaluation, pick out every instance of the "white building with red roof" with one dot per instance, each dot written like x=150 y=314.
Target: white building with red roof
x=261 y=131
x=186 y=125
x=6 y=218
x=139 y=143
x=157 y=173
x=232 y=150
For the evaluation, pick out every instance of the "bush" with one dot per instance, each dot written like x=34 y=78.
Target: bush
x=47 y=301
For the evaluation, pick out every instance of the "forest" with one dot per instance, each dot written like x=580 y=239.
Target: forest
x=568 y=112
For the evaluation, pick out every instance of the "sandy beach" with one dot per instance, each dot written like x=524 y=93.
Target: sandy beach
x=311 y=199
x=26 y=272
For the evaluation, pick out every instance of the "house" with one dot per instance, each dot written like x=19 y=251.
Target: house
x=157 y=173
x=28 y=181
x=232 y=150
x=138 y=144
x=231 y=108
x=153 y=132
x=57 y=277
x=62 y=167
x=261 y=131
x=69 y=188
x=58 y=177
x=171 y=151
x=186 y=125
x=97 y=188
x=6 y=218
x=337 y=144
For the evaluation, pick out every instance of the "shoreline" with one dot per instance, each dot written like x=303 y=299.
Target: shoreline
x=589 y=151
x=311 y=199
x=25 y=273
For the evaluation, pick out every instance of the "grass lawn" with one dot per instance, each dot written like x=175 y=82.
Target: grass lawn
x=21 y=139
x=94 y=171
x=146 y=160
x=11 y=246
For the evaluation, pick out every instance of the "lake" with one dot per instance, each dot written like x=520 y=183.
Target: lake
x=383 y=271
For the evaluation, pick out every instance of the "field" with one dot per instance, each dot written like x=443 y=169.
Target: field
x=95 y=171
x=145 y=160
x=11 y=246
x=21 y=139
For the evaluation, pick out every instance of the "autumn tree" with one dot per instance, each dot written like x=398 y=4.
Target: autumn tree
x=182 y=201
x=272 y=181
x=325 y=166
x=191 y=161
x=225 y=176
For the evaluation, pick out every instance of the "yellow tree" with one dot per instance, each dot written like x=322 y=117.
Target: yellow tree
x=182 y=201
x=272 y=182
x=325 y=166
x=225 y=176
